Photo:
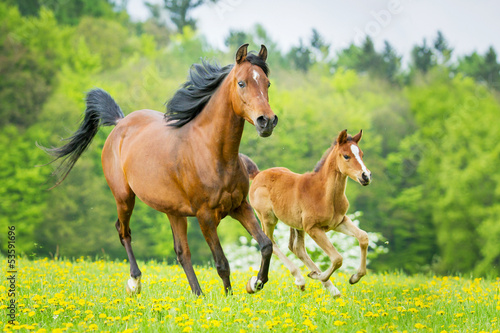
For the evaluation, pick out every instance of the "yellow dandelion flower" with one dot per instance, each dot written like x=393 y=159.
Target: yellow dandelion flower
x=339 y=323
x=31 y=314
x=93 y=327
x=187 y=329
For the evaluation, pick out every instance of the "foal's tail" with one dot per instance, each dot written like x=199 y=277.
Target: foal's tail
x=101 y=110
x=252 y=168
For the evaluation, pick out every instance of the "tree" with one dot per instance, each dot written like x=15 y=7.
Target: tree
x=422 y=57
x=318 y=44
x=301 y=57
x=392 y=63
x=443 y=50
x=178 y=10
x=483 y=68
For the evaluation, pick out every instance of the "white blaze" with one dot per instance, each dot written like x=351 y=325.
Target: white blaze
x=355 y=151
x=256 y=76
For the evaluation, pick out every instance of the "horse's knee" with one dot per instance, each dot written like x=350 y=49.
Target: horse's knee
x=363 y=240
x=182 y=256
x=337 y=262
x=266 y=248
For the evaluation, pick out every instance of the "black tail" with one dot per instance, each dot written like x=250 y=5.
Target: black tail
x=101 y=110
x=252 y=168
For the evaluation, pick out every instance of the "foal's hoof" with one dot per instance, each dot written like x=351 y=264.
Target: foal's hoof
x=355 y=278
x=133 y=286
x=253 y=285
x=314 y=275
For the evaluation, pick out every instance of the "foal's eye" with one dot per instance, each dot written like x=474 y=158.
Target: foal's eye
x=269 y=84
x=241 y=84
x=347 y=157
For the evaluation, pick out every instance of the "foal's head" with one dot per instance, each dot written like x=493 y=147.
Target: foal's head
x=350 y=158
x=249 y=93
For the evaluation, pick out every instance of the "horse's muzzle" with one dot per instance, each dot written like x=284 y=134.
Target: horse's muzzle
x=265 y=125
x=365 y=179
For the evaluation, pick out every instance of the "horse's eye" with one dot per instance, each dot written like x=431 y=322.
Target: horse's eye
x=269 y=84
x=347 y=157
x=241 y=84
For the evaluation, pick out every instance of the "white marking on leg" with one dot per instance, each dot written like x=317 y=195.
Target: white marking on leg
x=355 y=151
x=253 y=282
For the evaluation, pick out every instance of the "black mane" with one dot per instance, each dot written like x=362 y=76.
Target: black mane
x=203 y=81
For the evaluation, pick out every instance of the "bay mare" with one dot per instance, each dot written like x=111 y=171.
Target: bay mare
x=184 y=162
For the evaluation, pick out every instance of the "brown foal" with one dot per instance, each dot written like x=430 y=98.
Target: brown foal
x=313 y=203
x=186 y=162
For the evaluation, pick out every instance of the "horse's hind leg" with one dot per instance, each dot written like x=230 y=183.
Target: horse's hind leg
x=350 y=229
x=269 y=220
x=297 y=246
x=125 y=206
x=181 y=247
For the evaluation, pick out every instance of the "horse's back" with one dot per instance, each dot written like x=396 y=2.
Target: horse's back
x=138 y=158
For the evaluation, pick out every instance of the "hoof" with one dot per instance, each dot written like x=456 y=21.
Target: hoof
x=355 y=278
x=133 y=286
x=253 y=285
x=314 y=275
x=333 y=290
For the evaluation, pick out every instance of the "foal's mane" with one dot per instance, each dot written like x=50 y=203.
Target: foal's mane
x=322 y=161
x=194 y=94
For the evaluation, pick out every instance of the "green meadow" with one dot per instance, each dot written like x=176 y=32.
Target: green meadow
x=89 y=296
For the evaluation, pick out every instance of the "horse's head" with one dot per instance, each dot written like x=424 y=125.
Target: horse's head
x=249 y=90
x=350 y=158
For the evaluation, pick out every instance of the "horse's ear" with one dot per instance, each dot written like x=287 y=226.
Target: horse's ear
x=263 y=52
x=241 y=54
x=357 y=137
x=342 y=138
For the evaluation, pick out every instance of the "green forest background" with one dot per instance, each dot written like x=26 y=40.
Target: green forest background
x=430 y=122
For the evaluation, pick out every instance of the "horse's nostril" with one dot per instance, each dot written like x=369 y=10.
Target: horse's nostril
x=365 y=177
x=275 y=121
x=262 y=121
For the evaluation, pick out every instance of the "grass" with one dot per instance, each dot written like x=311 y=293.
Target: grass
x=82 y=295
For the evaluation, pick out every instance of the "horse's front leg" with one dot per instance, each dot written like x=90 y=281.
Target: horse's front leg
x=319 y=236
x=244 y=214
x=349 y=228
x=208 y=225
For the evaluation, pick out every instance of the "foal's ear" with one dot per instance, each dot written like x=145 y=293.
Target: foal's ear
x=263 y=52
x=342 y=138
x=357 y=137
x=241 y=54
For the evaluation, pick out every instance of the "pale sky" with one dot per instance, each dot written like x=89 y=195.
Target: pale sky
x=467 y=25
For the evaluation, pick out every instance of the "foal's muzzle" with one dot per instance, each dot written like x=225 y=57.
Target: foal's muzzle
x=365 y=179
x=265 y=125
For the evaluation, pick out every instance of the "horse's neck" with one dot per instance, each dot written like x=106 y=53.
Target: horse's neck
x=334 y=181
x=221 y=127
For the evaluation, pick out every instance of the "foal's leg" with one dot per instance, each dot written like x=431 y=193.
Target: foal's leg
x=181 y=247
x=245 y=215
x=319 y=236
x=297 y=246
x=125 y=206
x=208 y=224
x=269 y=220
x=350 y=229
